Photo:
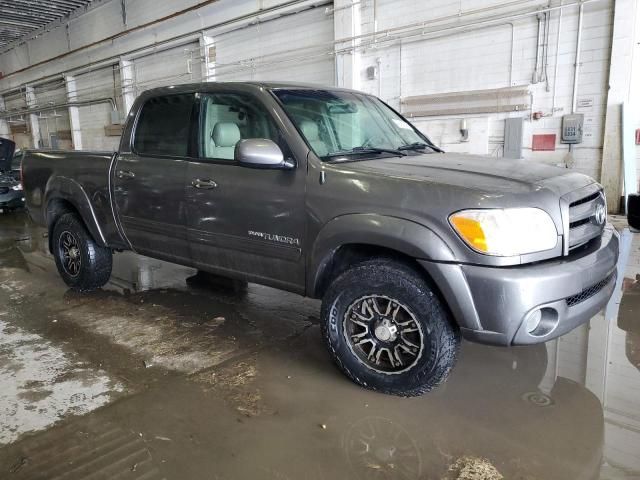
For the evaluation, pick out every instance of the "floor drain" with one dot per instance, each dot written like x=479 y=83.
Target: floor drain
x=539 y=399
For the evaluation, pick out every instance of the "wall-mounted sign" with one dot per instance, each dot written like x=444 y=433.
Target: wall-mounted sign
x=584 y=103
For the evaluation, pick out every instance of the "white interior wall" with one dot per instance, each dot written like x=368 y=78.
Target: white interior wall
x=481 y=59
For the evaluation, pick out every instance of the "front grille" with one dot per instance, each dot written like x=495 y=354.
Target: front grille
x=591 y=197
x=4 y=190
x=586 y=219
x=587 y=293
x=577 y=223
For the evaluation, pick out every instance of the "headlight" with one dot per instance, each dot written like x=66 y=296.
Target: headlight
x=17 y=187
x=506 y=232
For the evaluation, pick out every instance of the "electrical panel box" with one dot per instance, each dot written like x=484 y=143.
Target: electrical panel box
x=572 y=128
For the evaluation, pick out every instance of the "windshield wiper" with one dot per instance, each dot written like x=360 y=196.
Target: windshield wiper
x=420 y=146
x=360 y=150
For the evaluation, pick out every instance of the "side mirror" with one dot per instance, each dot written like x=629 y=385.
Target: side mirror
x=260 y=153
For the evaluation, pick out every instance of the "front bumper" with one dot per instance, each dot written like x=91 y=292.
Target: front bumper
x=492 y=303
x=12 y=199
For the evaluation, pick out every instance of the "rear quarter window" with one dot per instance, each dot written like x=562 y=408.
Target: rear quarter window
x=164 y=126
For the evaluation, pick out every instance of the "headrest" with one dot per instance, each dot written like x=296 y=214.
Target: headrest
x=225 y=134
x=310 y=130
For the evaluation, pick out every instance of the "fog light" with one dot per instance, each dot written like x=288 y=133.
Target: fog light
x=533 y=321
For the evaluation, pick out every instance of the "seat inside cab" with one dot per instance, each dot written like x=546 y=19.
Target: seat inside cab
x=229 y=118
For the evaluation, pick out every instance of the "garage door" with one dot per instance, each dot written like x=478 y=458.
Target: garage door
x=474 y=61
x=18 y=124
x=168 y=67
x=258 y=52
x=101 y=83
x=55 y=128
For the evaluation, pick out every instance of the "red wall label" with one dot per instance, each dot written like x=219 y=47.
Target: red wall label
x=545 y=141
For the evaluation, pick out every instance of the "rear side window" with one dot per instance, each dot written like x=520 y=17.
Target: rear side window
x=164 y=126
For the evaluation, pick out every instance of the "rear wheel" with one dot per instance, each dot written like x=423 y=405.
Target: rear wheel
x=387 y=330
x=81 y=262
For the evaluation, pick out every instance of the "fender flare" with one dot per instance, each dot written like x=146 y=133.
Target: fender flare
x=69 y=190
x=398 y=234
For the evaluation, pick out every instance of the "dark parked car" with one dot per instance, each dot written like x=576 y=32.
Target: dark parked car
x=11 y=194
x=332 y=194
x=633 y=210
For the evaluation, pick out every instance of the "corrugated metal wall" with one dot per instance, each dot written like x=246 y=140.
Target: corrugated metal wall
x=264 y=51
x=168 y=67
x=101 y=83
x=54 y=125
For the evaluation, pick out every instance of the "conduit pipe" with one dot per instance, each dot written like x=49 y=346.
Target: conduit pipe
x=512 y=54
x=536 y=75
x=576 y=73
x=555 y=68
x=546 y=49
x=83 y=103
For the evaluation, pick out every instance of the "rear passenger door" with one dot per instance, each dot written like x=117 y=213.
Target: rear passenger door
x=149 y=177
x=242 y=221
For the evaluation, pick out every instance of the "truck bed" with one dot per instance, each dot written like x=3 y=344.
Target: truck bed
x=80 y=180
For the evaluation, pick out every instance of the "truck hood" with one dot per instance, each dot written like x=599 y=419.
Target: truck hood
x=477 y=172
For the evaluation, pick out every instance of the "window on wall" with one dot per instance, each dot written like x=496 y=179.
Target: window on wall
x=227 y=118
x=164 y=126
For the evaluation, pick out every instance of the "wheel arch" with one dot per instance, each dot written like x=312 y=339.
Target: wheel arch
x=64 y=195
x=350 y=239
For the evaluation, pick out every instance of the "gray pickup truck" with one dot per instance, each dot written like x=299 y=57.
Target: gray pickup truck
x=332 y=194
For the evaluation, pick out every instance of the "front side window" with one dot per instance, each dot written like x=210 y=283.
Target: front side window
x=164 y=126
x=336 y=122
x=228 y=118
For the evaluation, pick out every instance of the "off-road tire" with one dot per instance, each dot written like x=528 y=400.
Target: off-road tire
x=389 y=278
x=95 y=261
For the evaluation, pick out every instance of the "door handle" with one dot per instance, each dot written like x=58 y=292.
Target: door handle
x=203 y=184
x=125 y=174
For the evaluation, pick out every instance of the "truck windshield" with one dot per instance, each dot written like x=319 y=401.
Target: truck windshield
x=343 y=124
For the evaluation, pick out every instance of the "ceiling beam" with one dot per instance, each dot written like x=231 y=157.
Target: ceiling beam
x=19 y=18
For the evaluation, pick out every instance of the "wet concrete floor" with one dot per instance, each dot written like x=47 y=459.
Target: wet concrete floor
x=155 y=377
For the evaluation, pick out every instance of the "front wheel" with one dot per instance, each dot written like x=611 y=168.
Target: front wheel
x=387 y=330
x=82 y=263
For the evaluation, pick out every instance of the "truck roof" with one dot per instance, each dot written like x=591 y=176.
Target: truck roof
x=204 y=86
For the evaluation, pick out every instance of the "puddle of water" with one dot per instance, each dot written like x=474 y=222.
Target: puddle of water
x=569 y=409
x=40 y=383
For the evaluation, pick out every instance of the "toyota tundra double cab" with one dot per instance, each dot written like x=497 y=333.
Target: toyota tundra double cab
x=332 y=194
